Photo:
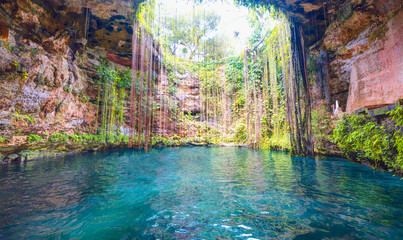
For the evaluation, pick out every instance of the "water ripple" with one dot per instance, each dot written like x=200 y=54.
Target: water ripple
x=198 y=193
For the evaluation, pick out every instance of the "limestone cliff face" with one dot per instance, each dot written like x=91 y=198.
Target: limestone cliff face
x=46 y=75
x=189 y=93
x=364 y=49
x=361 y=40
x=47 y=88
x=46 y=82
x=377 y=75
x=186 y=99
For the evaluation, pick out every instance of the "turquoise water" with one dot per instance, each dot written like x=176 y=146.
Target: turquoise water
x=198 y=193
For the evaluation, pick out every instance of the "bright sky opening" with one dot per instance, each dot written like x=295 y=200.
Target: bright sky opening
x=233 y=18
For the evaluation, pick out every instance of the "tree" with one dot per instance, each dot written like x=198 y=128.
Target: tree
x=190 y=30
x=173 y=31
x=216 y=48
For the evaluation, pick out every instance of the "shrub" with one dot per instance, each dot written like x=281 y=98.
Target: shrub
x=157 y=140
x=176 y=137
x=34 y=138
x=240 y=135
x=3 y=139
x=26 y=119
x=67 y=89
x=58 y=137
x=321 y=129
x=397 y=116
x=361 y=138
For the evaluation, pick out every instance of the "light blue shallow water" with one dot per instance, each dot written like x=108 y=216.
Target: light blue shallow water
x=198 y=193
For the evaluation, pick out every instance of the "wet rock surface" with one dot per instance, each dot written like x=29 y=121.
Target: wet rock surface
x=377 y=75
x=364 y=45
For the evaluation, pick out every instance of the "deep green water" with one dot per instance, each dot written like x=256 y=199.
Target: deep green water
x=198 y=192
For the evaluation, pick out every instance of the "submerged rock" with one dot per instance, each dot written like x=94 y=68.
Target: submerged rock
x=12 y=157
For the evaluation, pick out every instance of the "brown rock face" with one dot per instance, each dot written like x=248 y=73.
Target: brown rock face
x=339 y=34
x=186 y=98
x=365 y=54
x=42 y=87
x=188 y=93
x=124 y=61
x=377 y=76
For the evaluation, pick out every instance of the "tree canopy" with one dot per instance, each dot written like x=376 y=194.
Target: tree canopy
x=189 y=31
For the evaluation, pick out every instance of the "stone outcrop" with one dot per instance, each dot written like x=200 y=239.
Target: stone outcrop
x=186 y=99
x=364 y=45
x=189 y=93
x=377 y=75
x=48 y=89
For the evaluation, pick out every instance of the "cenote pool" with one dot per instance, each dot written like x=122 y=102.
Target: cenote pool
x=198 y=193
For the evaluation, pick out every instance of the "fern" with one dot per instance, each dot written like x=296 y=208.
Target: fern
x=362 y=138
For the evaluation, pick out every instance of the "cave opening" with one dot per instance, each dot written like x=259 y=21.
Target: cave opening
x=215 y=71
x=217 y=59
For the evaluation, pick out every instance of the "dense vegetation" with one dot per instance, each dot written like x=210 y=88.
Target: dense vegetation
x=245 y=99
x=362 y=138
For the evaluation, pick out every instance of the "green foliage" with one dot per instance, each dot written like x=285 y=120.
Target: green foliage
x=87 y=138
x=158 y=140
x=21 y=70
x=282 y=142
x=3 y=139
x=14 y=49
x=34 y=138
x=29 y=118
x=321 y=129
x=255 y=70
x=378 y=33
x=215 y=137
x=24 y=75
x=234 y=72
x=240 y=133
x=34 y=52
x=5 y=44
x=361 y=138
x=255 y=3
x=58 y=137
x=26 y=119
x=174 y=141
x=189 y=30
x=113 y=84
x=176 y=137
x=67 y=89
x=397 y=116
x=83 y=97
x=111 y=76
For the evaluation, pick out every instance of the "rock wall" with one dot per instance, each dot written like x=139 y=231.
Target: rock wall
x=377 y=75
x=364 y=48
x=47 y=56
x=185 y=97
x=47 y=74
x=41 y=91
x=189 y=93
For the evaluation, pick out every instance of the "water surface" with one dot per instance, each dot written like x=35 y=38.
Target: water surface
x=198 y=193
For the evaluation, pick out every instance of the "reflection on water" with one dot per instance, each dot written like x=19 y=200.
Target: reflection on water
x=198 y=193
